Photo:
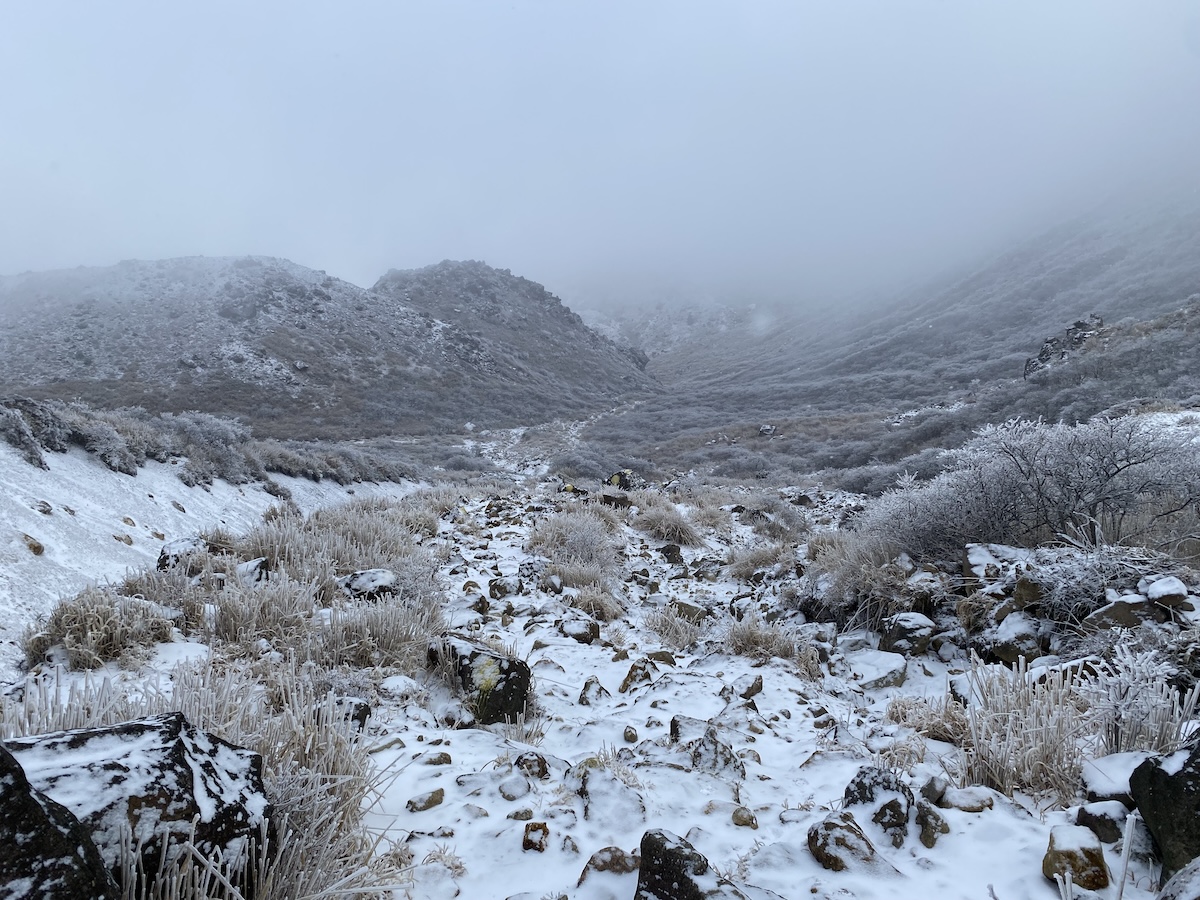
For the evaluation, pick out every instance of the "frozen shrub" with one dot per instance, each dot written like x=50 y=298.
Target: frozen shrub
x=15 y=432
x=939 y=720
x=676 y=630
x=579 y=539
x=774 y=560
x=758 y=639
x=98 y=626
x=666 y=523
x=598 y=603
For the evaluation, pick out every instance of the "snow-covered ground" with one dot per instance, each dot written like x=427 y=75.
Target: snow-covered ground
x=797 y=743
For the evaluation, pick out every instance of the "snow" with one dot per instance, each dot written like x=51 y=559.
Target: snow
x=800 y=742
x=1108 y=776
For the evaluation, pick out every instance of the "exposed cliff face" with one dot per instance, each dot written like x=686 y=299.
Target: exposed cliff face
x=302 y=354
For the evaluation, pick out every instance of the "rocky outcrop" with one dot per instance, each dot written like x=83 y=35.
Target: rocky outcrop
x=153 y=778
x=45 y=851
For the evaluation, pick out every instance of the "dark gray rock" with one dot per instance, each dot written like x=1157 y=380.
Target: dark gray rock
x=672 y=869
x=45 y=851
x=888 y=797
x=153 y=777
x=1166 y=790
x=497 y=686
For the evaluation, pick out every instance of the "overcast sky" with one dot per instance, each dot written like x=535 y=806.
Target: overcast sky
x=744 y=148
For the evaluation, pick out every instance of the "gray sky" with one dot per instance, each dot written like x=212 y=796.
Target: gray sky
x=739 y=149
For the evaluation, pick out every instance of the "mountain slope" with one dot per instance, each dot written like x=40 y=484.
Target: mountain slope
x=301 y=354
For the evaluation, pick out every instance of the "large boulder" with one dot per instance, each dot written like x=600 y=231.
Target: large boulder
x=908 y=633
x=497 y=686
x=152 y=778
x=45 y=851
x=1166 y=790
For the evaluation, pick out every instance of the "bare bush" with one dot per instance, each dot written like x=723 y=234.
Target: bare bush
x=598 y=603
x=939 y=720
x=580 y=545
x=773 y=559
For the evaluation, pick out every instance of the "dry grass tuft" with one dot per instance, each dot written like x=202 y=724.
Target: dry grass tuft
x=98 y=626
x=666 y=523
x=939 y=720
x=598 y=603
x=758 y=639
x=675 y=630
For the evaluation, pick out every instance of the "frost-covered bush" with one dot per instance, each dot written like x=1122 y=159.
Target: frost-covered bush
x=99 y=626
x=758 y=639
x=579 y=543
x=666 y=523
x=674 y=628
x=1127 y=481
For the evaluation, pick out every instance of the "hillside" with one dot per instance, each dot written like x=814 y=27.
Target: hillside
x=300 y=354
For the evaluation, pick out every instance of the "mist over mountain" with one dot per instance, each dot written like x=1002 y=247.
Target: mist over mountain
x=300 y=354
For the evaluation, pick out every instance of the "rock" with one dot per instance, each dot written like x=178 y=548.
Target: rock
x=1184 y=884
x=253 y=571
x=672 y=869
x=1128 y=611
x=521 y=815
x=907 y=633
x=497 y=686
x=973 y=799
x=1016 y=638
x=425 y=801
x=580 y=627
x=710 y=754
x=935 y=788
x=505 y=586
x=1168 y=590
x=931 y=822
x=36 y=547
x=592 y=691
x=514 y=787
x=745 y=687
x=744 y=818
x=153 y=776
x=666 y=657
x=369 y=584
x=610 y=859
x=639 y=673
x=889 y=797
x=1107 y=777
x=838 y=843
x=672 y=554
x=1076 y=850
x=436 y=759
x=537 y=834
x=1166 y=790
x=44 y=848
x=877 y=669
x=630 y=734
x=176 y=551
x=1106 y=819
x=688 y=611
x=533 y=764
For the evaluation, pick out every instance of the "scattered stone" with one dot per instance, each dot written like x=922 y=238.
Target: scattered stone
x=639 y=673
x=688 y=611
x=890 y=798
x=44 y=508
x=533 y=764
x=1106 y=819
x=425 y=801
x=1075 y=850
x=672 y=869
x=580 y=627
x=838 y=843
x=972 y=799
x=931 y=822
x=504 y=586
x=877 y=669
x=369 y=584
x=1167 y=590
x=710 y=754
x=630 y=734
x=908 y=633
x=933 y=789
x=593 y=691
x=124 y=539
x=744 y=818
x=610 y=859
x=1167 y=792
x=745 y=687
x=514 y=787
x=537 y=834
x=521 y=815
x=1128 y=611
x=672 y=554
x=1017 y=637
x=478 y=812
x=44 y=848
x=437 y=759
x=253 y=571
x=662 y=656
x=36 y=547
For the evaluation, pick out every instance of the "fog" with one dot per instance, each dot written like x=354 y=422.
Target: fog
x=613 y=151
